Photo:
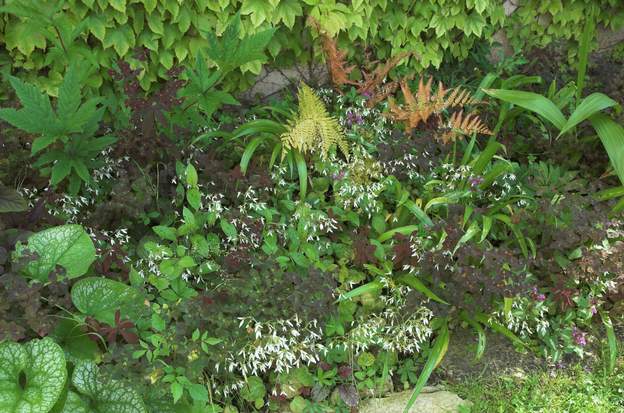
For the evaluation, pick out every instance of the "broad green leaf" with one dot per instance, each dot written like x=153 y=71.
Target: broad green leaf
x=100 y=297
x=97 y=395
x=11 y=200
x=32 y=376
x=191 y=175
x=532 y=102
x=167 y=233
x=591 y=105
x=68 y=246
x=612 y=136
x=75 y=342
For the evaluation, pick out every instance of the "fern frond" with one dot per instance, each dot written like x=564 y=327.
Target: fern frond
x=313 y=128
x=464 y=125
x=425 y=103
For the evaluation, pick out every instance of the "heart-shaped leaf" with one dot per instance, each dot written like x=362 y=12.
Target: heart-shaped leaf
x=32 y=376
x=96 y=395
x=100 y=297
x=67 y=245
x=11 y=201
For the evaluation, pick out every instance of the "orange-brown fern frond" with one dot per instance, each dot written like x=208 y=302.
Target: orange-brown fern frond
x=459 y=124
x=375 y=79
x=459 y=98
x=335 y=58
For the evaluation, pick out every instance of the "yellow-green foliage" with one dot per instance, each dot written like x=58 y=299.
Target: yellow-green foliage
x=172 y=31
x=313 y=129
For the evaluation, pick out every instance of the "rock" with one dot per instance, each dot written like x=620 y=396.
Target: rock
x=430 y=400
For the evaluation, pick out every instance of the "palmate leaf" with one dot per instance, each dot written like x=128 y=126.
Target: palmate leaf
x=36 y=116
x=42 y=364
x=230 y=52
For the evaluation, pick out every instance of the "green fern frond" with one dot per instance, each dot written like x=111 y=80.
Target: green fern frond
x=313 y=128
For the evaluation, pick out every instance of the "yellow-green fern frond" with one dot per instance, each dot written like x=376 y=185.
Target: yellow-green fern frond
x=313 y=128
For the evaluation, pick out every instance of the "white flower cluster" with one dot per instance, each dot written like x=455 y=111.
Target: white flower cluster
x=407 y=165
x=314 y=222
x=395 y=328
x=277 y=346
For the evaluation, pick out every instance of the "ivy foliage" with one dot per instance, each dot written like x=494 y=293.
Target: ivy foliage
x=171 y=31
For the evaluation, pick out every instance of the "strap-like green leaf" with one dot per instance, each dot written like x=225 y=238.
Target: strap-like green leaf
x=532 y=102
x=591 y=105
x=435 y=356
x=612 y=136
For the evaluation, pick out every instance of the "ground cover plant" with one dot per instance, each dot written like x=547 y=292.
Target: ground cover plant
x=168 y=246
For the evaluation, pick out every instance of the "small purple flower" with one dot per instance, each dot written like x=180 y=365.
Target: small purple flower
x=367 y=94
x=579 y=337
x=338 y=176
x=475 y=181
x=593 y=310
x=537 y=296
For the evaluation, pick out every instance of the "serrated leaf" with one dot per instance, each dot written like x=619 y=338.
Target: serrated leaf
x=67 y=245
x=43 y=364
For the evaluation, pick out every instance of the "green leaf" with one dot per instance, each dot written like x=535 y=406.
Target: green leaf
x=405 y=230
x=42 y=364
x=302 y=171
x=612 y=136
x=532 y=102
x=416 y=284
x=100 y=297
x=480 y=333
x=69 y=96
x=11 y=200
x=193 y=197
x=249 y=151
x=76 y=343
x=97 y=395
x=611 y=342
x=191 y=175
x=229 y=52
x=254 y=389
x=370 y=287
x=60 y=170
x=68 y=246
x=591 y=105
x=418 y=212
x=435 y=356
x=36 y=116
x=228 y=229
x=167 y=233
